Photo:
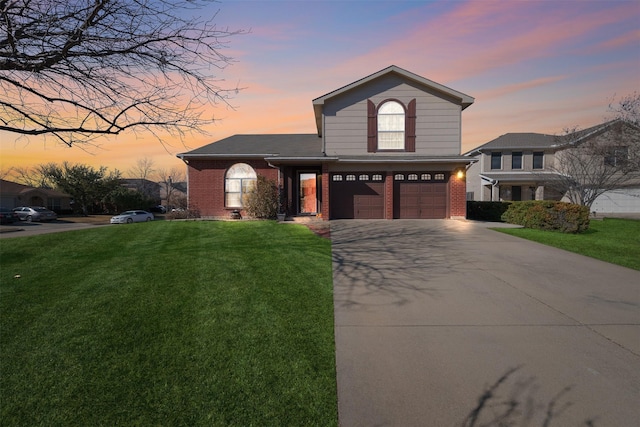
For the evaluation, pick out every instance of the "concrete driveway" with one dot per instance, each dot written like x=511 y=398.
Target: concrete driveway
x=448 y=323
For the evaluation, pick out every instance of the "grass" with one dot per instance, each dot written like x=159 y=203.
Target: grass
x=168 y=323
x=612 y=240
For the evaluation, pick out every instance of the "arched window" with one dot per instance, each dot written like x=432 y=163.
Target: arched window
x=391 y=126
x=239 y=181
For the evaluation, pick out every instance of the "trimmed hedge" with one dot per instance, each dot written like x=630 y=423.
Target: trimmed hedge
x=548 y=215
x=486 y=211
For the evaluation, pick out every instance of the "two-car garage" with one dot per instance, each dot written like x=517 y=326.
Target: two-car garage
x=421 y=195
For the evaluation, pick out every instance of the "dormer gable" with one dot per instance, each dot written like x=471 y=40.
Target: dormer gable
x=457 y=97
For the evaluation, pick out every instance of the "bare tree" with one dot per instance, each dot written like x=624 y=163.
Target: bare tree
x=627 y=108
x=6 y=173
x=142 y=174
x=80 y=69
x=171 y=181
x=597 y=160
x=35 y=176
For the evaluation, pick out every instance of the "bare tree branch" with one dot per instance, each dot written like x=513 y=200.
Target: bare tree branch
x=81 y=69
x=591 y=162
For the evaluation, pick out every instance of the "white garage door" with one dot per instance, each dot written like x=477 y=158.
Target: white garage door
x=618 y=201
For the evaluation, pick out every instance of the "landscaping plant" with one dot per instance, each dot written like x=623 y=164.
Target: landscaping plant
x=548 y=215
x=263 y=201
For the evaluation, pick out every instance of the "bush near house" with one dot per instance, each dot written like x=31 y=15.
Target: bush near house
x=548 y=215
x=486 y=211
x=262 y=202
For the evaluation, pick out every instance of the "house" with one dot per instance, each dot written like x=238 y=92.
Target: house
x=147 y=187
x=387 y=146
x=13 y=195
x=533 y=166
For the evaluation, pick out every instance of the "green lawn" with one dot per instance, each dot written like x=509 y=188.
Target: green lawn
x=613 y=240
x=167 y=324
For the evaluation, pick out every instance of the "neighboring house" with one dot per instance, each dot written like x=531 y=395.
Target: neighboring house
x=13 y=195
x=168 y=194
x=147 y=187
x=526 y=166
x=173 y=194
x=387 y=146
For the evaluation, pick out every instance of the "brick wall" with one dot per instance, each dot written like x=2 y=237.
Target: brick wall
x=206 y=184
x=388 y=195
x=325 y=192
x=458 y=196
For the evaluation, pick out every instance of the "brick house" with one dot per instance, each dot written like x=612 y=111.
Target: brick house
x=13 y=195
x=387 y=146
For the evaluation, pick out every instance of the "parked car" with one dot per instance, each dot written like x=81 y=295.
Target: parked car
x=159 y=209
x=128 y=217
x=7 y=216
x=35 y=213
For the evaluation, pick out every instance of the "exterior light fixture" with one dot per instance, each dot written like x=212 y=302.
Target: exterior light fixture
x=460 y=174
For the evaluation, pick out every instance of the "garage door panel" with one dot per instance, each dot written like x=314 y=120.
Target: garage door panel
x=357 y=199
x=420 y=200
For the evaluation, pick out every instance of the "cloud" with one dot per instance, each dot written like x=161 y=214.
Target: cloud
x=509 y=89
x=475 y=38
x=629 y=38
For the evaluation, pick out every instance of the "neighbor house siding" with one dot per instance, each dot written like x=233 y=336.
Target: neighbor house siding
x=437 y=118
x=527 y=160
x=207 y=179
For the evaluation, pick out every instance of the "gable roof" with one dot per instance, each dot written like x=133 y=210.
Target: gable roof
x=260 y=146
x=318 y=103
x=14 y=188
x=516 y=141
x=529 y=140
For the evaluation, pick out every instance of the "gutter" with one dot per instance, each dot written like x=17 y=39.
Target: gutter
x=183 y=156
x=424 y=160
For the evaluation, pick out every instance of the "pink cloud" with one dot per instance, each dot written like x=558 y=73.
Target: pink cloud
x=517 y=87
x=630 y=38
x=477 y=37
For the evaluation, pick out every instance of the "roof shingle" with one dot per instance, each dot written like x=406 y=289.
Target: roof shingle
x=283 y=145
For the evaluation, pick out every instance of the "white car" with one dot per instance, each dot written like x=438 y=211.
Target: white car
x=128 y=217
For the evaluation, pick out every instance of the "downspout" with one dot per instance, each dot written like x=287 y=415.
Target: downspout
x=186 y=162
x=279 y=188
x=324 y=141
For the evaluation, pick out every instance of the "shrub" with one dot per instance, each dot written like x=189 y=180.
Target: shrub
x=262 y=202
x=183 y=214
x=548 y=215
x=486 y=211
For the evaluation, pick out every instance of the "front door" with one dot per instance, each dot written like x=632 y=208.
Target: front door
x=516 y=193
x=308 y=185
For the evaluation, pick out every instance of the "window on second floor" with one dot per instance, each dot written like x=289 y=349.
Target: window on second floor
x=538 y=160
x=391 y=126
x=496 y=160
x=616 y=156
x=516 y=160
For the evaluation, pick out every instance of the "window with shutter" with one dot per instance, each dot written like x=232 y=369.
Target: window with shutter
x=391 y=126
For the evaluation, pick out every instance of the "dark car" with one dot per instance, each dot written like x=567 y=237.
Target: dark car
x=7 y=216
x=35 y=213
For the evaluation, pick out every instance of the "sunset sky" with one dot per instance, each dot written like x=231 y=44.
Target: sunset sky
x=532 y=66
